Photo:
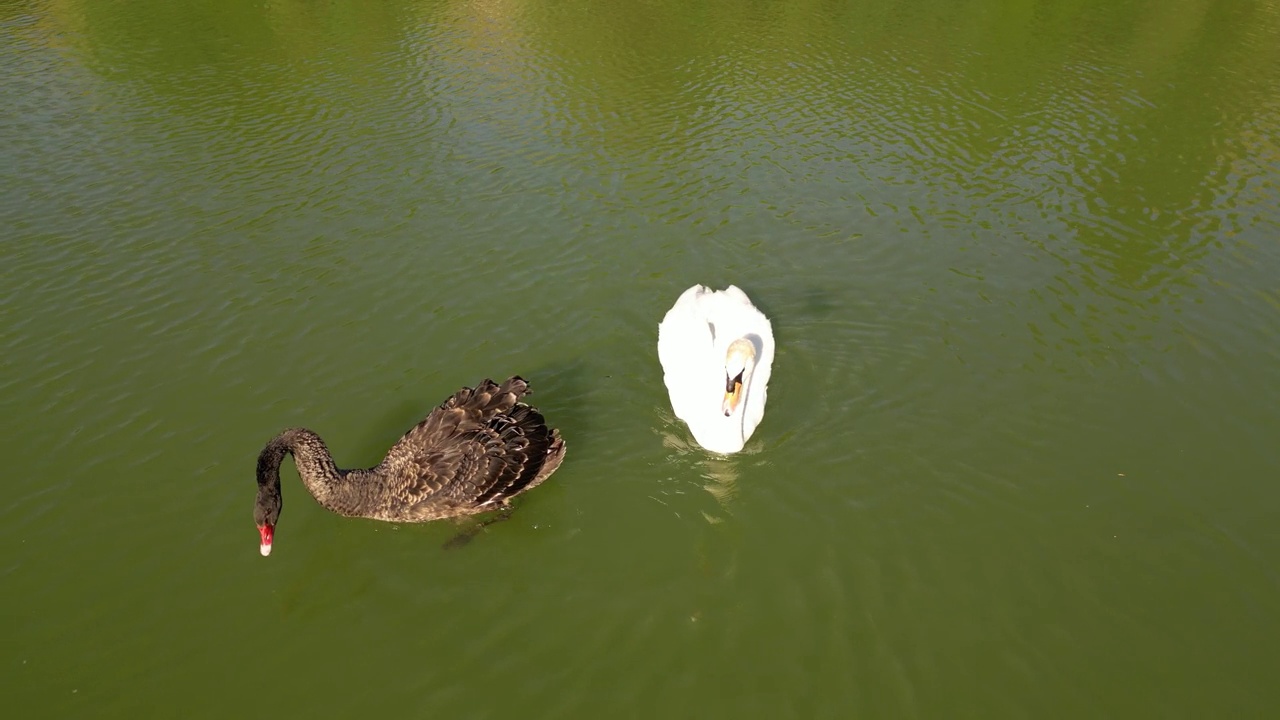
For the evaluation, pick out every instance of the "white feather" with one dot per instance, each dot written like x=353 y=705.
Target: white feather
x=693 y=340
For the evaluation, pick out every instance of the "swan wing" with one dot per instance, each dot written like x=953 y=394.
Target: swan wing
x=476 y=449
x=757 y=324
x=686 y=350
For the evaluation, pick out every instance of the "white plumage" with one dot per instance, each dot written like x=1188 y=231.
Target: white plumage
x=710 y=341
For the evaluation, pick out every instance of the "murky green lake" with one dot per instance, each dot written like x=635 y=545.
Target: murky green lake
x=1020 y=457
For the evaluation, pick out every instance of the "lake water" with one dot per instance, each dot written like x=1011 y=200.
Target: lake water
x=1020 y=457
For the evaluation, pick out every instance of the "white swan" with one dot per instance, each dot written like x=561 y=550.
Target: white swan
x=716 y=351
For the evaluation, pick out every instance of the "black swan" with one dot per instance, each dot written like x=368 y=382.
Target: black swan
x=472 y=454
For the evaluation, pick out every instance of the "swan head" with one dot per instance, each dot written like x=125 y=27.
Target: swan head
x=739 y=360
x=267 y=506
x=266 y=513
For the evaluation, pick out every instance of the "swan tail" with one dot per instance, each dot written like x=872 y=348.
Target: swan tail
x=529 y=453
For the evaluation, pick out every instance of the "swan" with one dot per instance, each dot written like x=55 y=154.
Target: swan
x=716 y=351
x=472 y=454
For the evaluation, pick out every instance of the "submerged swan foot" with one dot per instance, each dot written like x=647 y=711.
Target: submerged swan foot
x=465 y=537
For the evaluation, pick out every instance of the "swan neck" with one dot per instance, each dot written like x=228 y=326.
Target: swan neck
x=313 y=460
x=739 y=418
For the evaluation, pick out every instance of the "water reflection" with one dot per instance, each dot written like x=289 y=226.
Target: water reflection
x=719 y=473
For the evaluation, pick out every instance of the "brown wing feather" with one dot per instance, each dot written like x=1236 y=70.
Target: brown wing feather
x=532 y=449
x=472 y=453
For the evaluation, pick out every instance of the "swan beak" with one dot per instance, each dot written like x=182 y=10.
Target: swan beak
x=266 y=531
x=731 y=398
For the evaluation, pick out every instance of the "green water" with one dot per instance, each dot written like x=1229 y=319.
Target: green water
x=1020 y=457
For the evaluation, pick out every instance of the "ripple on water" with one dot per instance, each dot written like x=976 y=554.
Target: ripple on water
x=1003 y=307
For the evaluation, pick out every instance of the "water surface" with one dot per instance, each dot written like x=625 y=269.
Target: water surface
x=1019 y=458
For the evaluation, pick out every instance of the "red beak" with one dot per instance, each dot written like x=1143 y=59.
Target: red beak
x=266 y=531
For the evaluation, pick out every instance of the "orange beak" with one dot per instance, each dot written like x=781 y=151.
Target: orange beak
x=731 y=399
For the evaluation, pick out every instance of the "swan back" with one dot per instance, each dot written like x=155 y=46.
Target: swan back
x=699 y=339
x=474 y=452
